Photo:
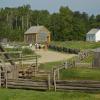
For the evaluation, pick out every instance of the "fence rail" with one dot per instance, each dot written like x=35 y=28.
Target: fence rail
x=62 y=85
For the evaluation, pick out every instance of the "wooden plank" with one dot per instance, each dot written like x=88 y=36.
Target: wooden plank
x=76 y=88
x=24 y=87
x=28 y=84
x=77 y=81
x=81 y=85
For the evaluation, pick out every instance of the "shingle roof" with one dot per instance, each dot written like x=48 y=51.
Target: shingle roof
x=93 y=31
x=36 y=29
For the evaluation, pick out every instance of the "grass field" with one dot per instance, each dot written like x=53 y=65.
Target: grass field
x=7 y=94
x=50 y=65
x=77 y=44
x=80 y=74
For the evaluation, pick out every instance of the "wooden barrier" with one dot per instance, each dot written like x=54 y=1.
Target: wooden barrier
x=77 y=85
x=62 y=85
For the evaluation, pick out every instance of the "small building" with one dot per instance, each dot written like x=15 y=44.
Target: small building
x=93 y=35
x=96 y=61
x=37 y=34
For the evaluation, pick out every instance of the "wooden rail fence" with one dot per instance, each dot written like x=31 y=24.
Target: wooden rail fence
x=61 y=85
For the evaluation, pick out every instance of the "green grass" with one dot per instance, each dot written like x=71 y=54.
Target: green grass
x=77 y=44
x=25 y=51
x=80 y=74
x=7 y=94
x=50 y=65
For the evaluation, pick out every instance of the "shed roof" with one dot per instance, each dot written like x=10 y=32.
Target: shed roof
x=93 y=31
x=36 y=29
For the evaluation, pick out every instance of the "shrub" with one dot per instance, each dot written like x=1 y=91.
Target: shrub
x=27 y=51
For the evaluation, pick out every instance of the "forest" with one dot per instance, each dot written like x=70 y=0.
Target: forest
x=65 y=25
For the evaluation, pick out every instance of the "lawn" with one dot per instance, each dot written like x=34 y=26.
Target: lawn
x=77 y=44
x=8 y=94
x=80 y=74
x=50 y=65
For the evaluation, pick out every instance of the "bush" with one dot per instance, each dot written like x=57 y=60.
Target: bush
x=64 y=49
x=27 y=51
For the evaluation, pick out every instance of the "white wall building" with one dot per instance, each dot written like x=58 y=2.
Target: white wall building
x=93 y=35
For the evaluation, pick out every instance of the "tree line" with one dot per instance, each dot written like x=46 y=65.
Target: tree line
x=64 y=25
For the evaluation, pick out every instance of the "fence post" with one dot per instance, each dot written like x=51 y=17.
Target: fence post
x=49 y=85
x=6 y=77
x=36 y=62
x=54 y=79
x=58 y=76
x=74 y=63
x=20 y=62
x=66 y=64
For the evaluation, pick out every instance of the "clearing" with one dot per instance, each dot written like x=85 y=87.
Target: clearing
x=76 y=44
x=52 y=56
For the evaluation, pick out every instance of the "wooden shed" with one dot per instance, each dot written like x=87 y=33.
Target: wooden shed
x=96 y=61
x=37 y=34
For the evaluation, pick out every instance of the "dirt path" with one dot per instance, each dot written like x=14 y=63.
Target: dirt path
x=52 y=56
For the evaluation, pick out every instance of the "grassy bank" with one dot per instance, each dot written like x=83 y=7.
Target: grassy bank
x=80 y=74
x=76 y=44
x=50 y=65
x=7 y=94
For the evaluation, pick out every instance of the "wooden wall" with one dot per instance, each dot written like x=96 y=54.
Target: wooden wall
x=96 y=61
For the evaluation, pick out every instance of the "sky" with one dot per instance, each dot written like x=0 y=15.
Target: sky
x=89 y=6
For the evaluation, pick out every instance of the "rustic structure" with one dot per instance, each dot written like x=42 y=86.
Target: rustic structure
x=96 y=61
x=37 y=34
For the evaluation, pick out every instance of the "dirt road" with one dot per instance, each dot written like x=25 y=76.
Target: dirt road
x=52 y=56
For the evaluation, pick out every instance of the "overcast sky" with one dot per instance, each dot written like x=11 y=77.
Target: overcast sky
x=89 y=6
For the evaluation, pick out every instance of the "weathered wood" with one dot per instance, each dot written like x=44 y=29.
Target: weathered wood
x=58 y=75
x=54 y=79
x=78 y=81
x=49 y=83
x=28 y=84
x=80 y=85
x=28 y=87
x=59 y=84
x=76 y=88
x=6 y=77
x=96 y=61
x=37 y=62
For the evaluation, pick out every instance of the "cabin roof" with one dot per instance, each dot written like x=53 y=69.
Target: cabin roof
x=36 y=29
x=93 y=31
